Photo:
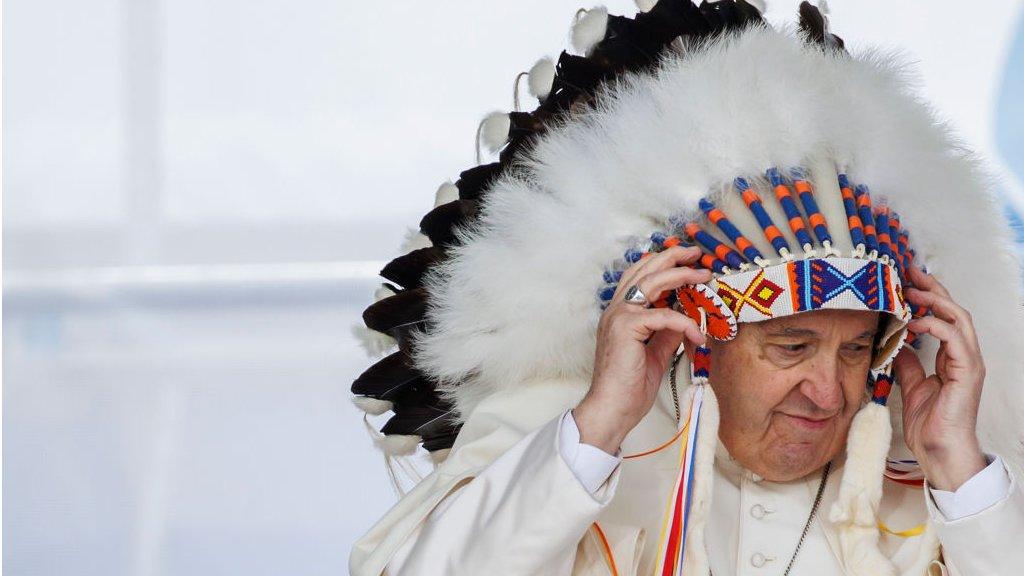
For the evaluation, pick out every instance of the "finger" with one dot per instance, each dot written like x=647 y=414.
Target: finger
x=909 y=371
x=674 y=256
x=656 y=283
x=924 y=281
x=946 y=309
x=665 y=343
x=956 y=345
x=647 y=322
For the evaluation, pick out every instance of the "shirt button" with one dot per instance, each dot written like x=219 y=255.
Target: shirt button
x=758 y=560
x=757 y=511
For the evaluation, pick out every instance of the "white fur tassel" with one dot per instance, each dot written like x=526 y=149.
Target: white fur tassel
x=446 y=192
x=855 y=511
x=493 y=131
x=372 y=406
x=540 y=78
x=397 y=444
x=375 y=344
x=645 y=5
x=589 y=29
x=822 y=7
x=414 y=240
x=696 y=561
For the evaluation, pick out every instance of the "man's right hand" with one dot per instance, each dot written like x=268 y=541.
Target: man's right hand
x=635 y=346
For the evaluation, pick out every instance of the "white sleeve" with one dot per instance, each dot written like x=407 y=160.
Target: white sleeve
x=525 y=513
x=591 y=465
x=986 y=541
x=981 y=491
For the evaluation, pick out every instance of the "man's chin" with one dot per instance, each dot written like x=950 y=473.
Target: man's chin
x=793 y=461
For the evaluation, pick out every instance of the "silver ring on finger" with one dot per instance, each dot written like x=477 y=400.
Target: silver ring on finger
x=634 y=295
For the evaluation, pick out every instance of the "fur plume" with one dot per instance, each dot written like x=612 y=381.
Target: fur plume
x=541 y=77
x=446 y=192
x=372 y=406
x=374 y=343
x=397 y=445
x=645 y=5
x=493 y=131
x=589 y=29
x=855 y=511
x=414 y=240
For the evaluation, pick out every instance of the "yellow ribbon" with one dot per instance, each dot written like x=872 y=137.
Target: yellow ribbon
x=915 y=531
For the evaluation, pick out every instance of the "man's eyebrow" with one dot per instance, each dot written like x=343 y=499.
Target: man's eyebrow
x=790 y=331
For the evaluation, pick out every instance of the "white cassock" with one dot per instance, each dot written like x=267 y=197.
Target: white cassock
x=519 y=494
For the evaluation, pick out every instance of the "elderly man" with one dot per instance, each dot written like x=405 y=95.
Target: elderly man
x=734 y=417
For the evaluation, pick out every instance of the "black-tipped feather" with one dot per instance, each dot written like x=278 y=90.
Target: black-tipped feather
x=404 y=308
x=439 y=224
x=407 y=270
x=474 y=181
x=388 y=377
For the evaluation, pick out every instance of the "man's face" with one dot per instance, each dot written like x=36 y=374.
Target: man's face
x=789 y=388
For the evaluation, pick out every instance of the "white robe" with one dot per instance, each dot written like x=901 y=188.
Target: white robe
x=506 y=502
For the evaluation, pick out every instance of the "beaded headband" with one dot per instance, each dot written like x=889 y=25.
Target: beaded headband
x=858 y=265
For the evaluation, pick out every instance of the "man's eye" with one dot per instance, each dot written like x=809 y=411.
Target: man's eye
x=793 y=348
x=857 y=348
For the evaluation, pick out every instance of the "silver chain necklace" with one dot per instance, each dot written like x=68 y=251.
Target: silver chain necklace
x=817 y=498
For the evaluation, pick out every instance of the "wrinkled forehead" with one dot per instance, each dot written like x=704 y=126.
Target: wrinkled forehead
x=844 y=324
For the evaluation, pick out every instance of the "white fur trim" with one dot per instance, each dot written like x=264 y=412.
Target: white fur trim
x=517 y=301
x=589 y=29
x=541 y=77
x=397 y=444
x=494 y=129
x=855 y=511
x=696 y=561
x=446 y=192
x=372 y=406
x=375 y=344
x=645 y=5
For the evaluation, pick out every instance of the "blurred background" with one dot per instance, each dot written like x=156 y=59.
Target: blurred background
x=197 y=198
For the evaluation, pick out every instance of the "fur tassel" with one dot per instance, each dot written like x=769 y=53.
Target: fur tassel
x=397 y=445
x=414 y=240
x=494 y=130
x=375 y=344
x=645 y=5
x=446 y=193
x=707 y=439
x=372 y=406
x=589 y=29
x=855 y=511
x=540 y=78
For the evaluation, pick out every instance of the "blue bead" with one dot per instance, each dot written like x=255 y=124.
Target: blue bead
x=658 y=237
x=606 y=293
x=611 y=276
x=774 y=176
x=632 y=255
x=741 y=184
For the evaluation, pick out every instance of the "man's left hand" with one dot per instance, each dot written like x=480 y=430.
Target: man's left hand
x=940 y=412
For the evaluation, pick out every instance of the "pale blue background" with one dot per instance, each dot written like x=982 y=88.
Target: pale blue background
x=197 y=196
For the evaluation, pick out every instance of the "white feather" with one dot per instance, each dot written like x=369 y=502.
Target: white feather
x=761 y=5
x=397 y=444
x=372 y=406
x=645 y=5
x=823 y=7
x=446 y=192
x=589 y=29
x=541 y=77
x=494 y=129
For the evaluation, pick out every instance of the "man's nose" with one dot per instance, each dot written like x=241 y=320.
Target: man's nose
x=823 y=384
